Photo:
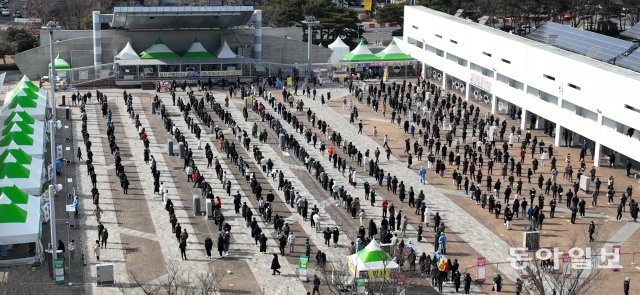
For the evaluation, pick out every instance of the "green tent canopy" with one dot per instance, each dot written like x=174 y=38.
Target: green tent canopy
x=60 y=63
x=158 y=50
x=393 y=52
x=23 y=127
x=19 y=138
x=13 y=170
x=22 y=101
x=360 y=53
x=19 y=117
x=10 y=197
x=197 y=50
x=15 y=156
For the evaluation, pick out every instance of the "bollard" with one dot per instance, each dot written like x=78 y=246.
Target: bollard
x=64 y=99
x=181 y=150
x=170 y=147
x=67 y=113
x=153 y=107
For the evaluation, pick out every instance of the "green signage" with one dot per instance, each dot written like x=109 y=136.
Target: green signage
x=58 y=270
x=303 y=263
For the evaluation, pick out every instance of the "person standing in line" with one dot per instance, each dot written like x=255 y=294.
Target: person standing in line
x=627 y=283
x=592 y=230
x=96 y=250
x=183 y=249
x=518 y=286
x=292 y=242
x=221 y=243
x=275 y=265
x=316 y=284
x=467 y=283
x=208 y=245
x=105 y=237
x=72 y=250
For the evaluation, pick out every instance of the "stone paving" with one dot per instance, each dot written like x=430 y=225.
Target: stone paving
x=141 y=241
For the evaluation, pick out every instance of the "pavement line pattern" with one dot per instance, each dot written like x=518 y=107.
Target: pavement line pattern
x=478 y=236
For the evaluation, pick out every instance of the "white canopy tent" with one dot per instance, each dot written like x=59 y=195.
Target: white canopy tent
x=339 y=49
x=127 y=53
x=25 y=97
x=20 y=224
x=225 y=51
x=19 y=169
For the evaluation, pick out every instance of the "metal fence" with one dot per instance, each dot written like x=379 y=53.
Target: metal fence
x=77 y=76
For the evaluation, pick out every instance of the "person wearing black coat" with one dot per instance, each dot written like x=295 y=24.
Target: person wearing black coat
x=456 y=280
x=467 y=283
x=275 y=265
x=220 y=244
x=208 y=245
x=178 y=231
x=263 y=243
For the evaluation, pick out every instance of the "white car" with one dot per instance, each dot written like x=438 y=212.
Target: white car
x=6 y=12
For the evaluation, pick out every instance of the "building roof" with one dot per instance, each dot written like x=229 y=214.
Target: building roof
x=180 y=17
x=528 y=42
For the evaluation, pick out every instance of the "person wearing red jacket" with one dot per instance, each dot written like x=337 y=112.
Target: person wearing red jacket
x=385 y=204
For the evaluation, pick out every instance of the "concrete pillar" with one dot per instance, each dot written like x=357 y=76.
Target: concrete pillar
x=444 y=81
x=494 y=104
x=423 y=73
x=596 y=155
x=523 y=120
x=467 y=92
x=556 y=138
x=97 y=39
x=539 y=123
x=257 y=34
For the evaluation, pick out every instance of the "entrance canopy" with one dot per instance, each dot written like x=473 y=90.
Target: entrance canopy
x=197 y=50
x=360 y=53
x=338 y=43
x=19 y=216
x=158 y=50
x=127 y=53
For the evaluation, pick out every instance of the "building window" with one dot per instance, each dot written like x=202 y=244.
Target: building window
x=482 y=70
x=506 y=61
x=438 y=36
x=415 y=27
x=434 y=50
x=511 y=82
x=460 y=61
x=628 y=107
x=453 y=41
x=487 y=54
x=549 y=77
x=574 y=86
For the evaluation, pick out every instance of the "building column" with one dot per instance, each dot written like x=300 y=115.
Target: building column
x=523 y=120
x=467 y=91
x=97 y=39
x=556 y=138
x=257 y=34
x=538 y=124
x=494 y=104
x=444 y=81
x=423 y=73
x=596 y=155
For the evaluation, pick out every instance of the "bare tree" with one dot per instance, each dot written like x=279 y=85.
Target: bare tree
x=542 y=278
x=177 y=281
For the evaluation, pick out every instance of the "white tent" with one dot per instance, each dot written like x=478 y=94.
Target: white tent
x=19 y=225
x=19 y=169
x=21 y=232
x=16 y=125
x=225 y=51
x=339 y=49
x=26 y=97
x=338 y=43
x=372 y=262
x=127 y=53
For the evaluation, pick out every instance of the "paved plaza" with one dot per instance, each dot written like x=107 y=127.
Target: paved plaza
x=145 y=252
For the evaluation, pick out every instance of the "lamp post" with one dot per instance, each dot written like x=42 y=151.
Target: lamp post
x=52 y=130
x=311 y=22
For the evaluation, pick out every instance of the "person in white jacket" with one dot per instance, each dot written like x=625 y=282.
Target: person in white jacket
x=292 y=242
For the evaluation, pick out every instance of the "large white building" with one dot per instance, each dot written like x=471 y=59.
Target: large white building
x=595 y=100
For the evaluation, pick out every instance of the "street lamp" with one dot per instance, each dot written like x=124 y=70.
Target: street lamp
x=311 y=22
x=53 y=124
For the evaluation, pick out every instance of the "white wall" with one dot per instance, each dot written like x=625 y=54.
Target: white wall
x=603 y=87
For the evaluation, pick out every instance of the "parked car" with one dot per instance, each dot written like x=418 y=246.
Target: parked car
x=396 y=32
x=6 y=12
x=18 y=14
